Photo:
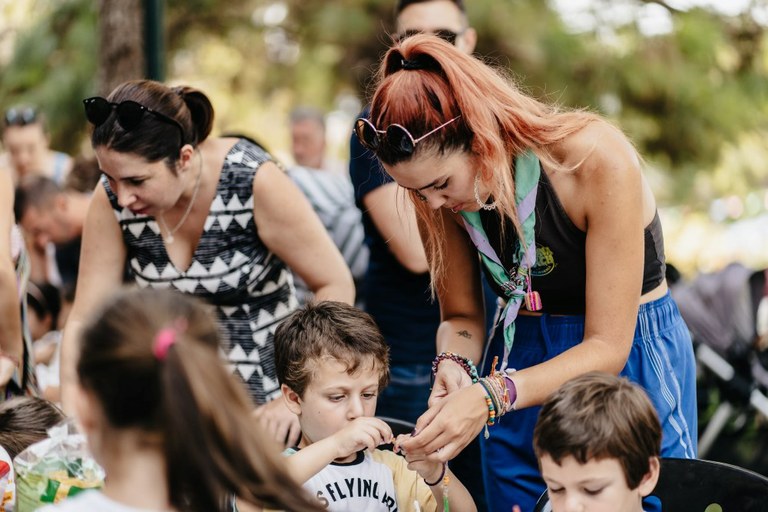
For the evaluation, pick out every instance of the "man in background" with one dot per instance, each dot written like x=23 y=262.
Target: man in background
x=308 y=137
x=49 y=214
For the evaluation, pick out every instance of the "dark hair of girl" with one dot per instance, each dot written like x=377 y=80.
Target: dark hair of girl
x=185 y=399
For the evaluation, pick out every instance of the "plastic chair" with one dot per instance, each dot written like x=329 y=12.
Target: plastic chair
x=695 y=485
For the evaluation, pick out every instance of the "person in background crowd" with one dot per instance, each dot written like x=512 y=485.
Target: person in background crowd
x=308 y=145
x=16 y=371
x=208 y=216
x=50 y=214
x=26 y=145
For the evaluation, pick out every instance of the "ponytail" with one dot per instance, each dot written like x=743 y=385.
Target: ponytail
x=213 y=448
x=200 y=109
x=423 y=82
x=151 y=360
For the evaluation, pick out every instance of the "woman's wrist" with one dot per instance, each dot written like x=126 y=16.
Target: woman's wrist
x=464 y=363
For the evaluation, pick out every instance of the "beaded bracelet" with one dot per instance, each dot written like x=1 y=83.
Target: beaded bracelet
x=491 y=408
x=462 y=361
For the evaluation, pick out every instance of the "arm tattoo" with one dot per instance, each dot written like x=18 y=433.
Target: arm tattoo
x=464 y=334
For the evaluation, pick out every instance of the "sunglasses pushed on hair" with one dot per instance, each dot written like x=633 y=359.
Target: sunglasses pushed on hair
x=129 y=113
x=397 y=137
x=20 y=116
x=449 y=36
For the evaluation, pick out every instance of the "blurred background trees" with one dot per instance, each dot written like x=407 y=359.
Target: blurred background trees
x=686 y=80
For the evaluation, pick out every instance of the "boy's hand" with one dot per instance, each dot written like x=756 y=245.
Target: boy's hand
x=429 y=470
x=360 y=434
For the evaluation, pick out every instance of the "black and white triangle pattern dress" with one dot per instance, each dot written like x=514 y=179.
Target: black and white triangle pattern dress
x=250 y=287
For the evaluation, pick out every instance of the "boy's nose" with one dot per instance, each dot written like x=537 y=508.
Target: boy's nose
x=573 y=504
x=355 y=408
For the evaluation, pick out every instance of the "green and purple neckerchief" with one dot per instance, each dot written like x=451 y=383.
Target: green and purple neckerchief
x=516 y=281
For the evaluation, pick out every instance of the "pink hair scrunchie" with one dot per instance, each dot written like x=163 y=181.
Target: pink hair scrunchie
x=166 y=337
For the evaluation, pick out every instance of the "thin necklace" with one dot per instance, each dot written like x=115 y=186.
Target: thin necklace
x=170 y=232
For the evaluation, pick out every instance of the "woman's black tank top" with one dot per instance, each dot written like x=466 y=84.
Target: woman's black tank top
x=559 y=274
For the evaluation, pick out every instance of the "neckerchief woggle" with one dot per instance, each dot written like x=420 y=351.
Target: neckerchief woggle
x=515 y=282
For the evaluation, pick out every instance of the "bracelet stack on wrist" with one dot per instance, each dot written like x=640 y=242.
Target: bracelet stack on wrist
x=500 y=394
x=462 y=361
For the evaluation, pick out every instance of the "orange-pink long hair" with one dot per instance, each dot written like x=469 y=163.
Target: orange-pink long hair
x=497 y=123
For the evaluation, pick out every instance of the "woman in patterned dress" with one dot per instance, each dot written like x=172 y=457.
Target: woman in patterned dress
x=213 y=217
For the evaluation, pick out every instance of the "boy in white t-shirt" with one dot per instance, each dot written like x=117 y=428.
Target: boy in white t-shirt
x=332 y=361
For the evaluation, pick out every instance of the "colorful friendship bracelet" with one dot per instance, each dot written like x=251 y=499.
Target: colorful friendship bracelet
x=462 y=361
x=500 y=394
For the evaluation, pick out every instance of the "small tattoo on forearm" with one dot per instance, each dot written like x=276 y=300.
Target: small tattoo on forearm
x=464 y=334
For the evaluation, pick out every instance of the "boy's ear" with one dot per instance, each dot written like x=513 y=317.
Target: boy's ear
x=292 y=399
x=648 y=483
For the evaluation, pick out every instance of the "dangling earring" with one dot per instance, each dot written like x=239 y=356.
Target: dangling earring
x=480 y=202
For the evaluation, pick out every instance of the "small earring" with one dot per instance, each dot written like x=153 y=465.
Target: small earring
x=480 y=202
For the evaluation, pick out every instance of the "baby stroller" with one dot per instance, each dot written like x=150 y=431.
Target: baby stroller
x=727 y=313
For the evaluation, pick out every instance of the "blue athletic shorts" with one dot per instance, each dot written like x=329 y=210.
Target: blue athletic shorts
x=661 y=361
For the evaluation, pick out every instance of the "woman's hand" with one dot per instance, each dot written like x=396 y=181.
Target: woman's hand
x=450 y=377
x=279 y=421
x=449 y=425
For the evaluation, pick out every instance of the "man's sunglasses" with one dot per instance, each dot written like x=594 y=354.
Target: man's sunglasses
x=129 y=113
x=445 y=34
x=399 y=139
x=20 y=116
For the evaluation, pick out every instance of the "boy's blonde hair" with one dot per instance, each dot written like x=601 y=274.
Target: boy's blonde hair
x=328 y=329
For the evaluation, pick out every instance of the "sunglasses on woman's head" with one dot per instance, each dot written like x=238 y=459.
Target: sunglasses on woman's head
x=129 y=113
x=399 y=139
x=449 y=36
x=20 y=116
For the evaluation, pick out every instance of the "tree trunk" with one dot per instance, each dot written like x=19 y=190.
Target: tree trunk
x=121 y=38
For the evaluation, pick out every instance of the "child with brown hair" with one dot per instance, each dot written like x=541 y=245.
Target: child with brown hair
x=598 y=440
x=165 y=419
x=332 y=362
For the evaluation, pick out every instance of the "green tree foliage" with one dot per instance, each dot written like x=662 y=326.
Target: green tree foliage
x=682 y=96
x=54 y=68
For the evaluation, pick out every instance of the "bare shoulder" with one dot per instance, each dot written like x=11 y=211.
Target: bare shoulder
x=269 y=175
x=597 y=148
x=603 y=165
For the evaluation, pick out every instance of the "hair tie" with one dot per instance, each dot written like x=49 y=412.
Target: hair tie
x=166 y=337
x=411 y=64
